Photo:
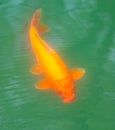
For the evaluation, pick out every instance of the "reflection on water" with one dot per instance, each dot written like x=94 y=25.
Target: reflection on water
x=83 y=33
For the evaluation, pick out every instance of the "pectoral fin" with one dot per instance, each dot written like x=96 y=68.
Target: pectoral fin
x=77 y=74
x=36 y=70
x=43 y=84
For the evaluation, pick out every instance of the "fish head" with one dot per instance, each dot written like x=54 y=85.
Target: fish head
x=66 y=90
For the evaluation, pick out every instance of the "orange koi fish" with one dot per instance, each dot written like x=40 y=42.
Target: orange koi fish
x=57 y=76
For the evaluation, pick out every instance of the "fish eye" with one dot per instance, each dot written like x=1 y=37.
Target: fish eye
x=59 y=92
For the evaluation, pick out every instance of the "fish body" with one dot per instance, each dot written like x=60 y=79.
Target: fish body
x=57 y=75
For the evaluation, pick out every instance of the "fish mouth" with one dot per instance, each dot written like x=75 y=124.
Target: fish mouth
x=69 y=99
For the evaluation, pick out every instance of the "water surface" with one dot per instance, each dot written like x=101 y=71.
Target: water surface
x=83 y=33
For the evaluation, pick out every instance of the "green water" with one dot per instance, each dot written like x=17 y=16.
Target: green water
x=83 y=33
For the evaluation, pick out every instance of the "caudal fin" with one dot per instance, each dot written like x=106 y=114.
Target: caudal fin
x=35 y=22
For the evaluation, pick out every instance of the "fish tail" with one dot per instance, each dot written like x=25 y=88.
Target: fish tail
x=35 y=22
